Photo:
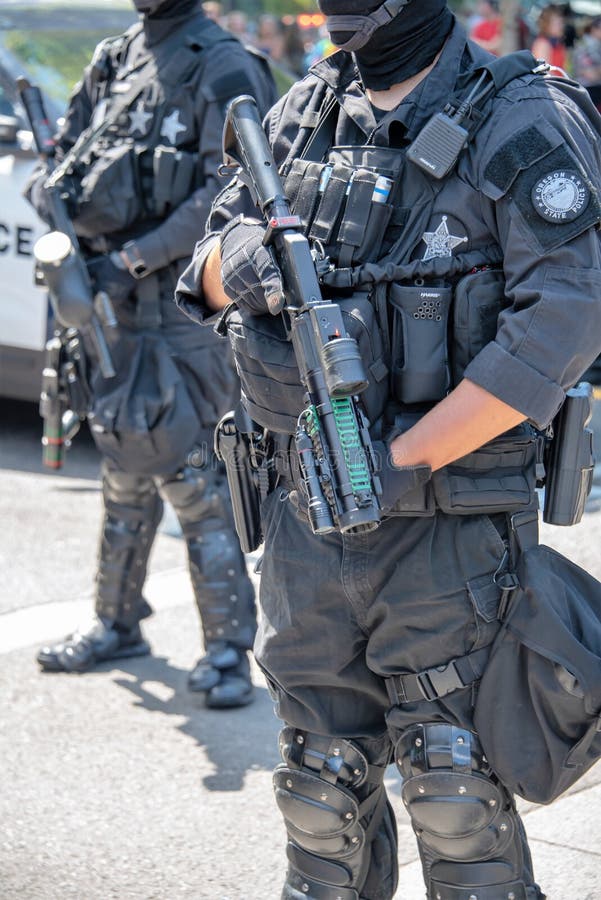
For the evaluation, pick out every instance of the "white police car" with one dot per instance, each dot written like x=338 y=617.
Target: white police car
x=49 y=42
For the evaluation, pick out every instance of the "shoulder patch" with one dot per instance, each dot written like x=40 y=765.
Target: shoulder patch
x=560 y=196
x=556 y=200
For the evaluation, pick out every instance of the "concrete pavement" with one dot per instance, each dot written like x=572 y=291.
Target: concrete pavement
x=118 y=783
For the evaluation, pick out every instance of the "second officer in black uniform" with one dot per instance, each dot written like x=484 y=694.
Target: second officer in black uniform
x=139 y=196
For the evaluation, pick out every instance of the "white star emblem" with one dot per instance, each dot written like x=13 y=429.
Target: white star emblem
x=440 y=243
x=172 y=126
x=138 y=118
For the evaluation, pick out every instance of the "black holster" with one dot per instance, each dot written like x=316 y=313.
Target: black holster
x=236 y=448
x=570 y=460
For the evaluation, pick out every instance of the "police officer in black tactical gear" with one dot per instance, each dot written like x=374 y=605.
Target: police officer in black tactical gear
x=452 y=203
x=138 y=196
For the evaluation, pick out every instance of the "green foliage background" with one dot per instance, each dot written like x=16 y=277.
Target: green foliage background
x=64 y=52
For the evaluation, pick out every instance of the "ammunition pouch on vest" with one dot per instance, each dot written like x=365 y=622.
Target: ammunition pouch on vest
x=173 y=178
x=110 y=195
x=332 y=197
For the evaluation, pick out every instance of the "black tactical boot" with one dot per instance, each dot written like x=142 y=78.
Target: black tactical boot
x=223 y=675
x=98 y=642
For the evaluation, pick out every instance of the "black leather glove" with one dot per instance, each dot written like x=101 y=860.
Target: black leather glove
x=397 y=480
x=248 y=269
x=108 y=276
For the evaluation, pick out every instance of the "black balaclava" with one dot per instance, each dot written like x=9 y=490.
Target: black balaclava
x=392 y=41
x=160 y=17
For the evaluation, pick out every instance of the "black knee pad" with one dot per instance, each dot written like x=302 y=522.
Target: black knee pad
x=335 y=808
x=467 y=828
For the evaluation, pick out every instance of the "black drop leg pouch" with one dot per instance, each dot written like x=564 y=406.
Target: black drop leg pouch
x=538 y=709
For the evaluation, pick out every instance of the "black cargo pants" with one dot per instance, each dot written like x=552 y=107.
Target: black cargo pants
x=340 y=614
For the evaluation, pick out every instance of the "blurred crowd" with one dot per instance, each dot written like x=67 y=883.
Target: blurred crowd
x=293 y=42
x=568 y=42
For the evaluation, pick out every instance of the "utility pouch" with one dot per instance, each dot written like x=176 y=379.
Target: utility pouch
x=173 y=176
x=143 y=419
x=538 y=709
x=478 y=299
x=110 y=194
x=498 y=477
x=420 y=369
x=570 y=461
x=235 y=449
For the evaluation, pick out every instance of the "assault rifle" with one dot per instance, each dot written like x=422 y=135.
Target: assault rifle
x=64 y=393
x=58 y=254
x=336 y=456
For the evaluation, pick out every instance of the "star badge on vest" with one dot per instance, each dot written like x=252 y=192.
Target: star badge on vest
x=560 y=196
x=441 y=243
x=139 y=118
x=172 y=126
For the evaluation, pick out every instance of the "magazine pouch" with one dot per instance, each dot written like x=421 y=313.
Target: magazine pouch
x=109 y=196
x=498 y=477
x=478 y=299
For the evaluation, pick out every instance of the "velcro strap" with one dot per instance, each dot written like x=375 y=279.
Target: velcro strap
x=438 y=681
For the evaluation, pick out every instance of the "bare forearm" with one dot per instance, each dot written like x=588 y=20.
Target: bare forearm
x=462 y=422
x=212 y=289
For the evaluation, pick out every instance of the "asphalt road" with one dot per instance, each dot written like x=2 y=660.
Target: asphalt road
x=118 y=783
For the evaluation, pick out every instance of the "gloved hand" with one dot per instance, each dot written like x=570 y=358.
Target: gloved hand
x=109 y=277
x=248 y=269
x=397 y=480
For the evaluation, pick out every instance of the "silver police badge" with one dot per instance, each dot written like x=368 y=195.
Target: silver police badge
x=560 y=196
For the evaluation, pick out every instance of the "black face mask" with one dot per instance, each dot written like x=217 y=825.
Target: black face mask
x=391 y=42
x=164 y=9
x=161 y=17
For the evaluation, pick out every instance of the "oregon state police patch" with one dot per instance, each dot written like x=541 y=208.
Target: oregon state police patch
x=560 y=196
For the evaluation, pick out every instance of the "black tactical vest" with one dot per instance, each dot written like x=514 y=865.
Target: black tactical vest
x=418 y=322
x=146 y=164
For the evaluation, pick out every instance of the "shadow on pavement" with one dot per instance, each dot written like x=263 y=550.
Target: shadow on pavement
x=234 y=740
